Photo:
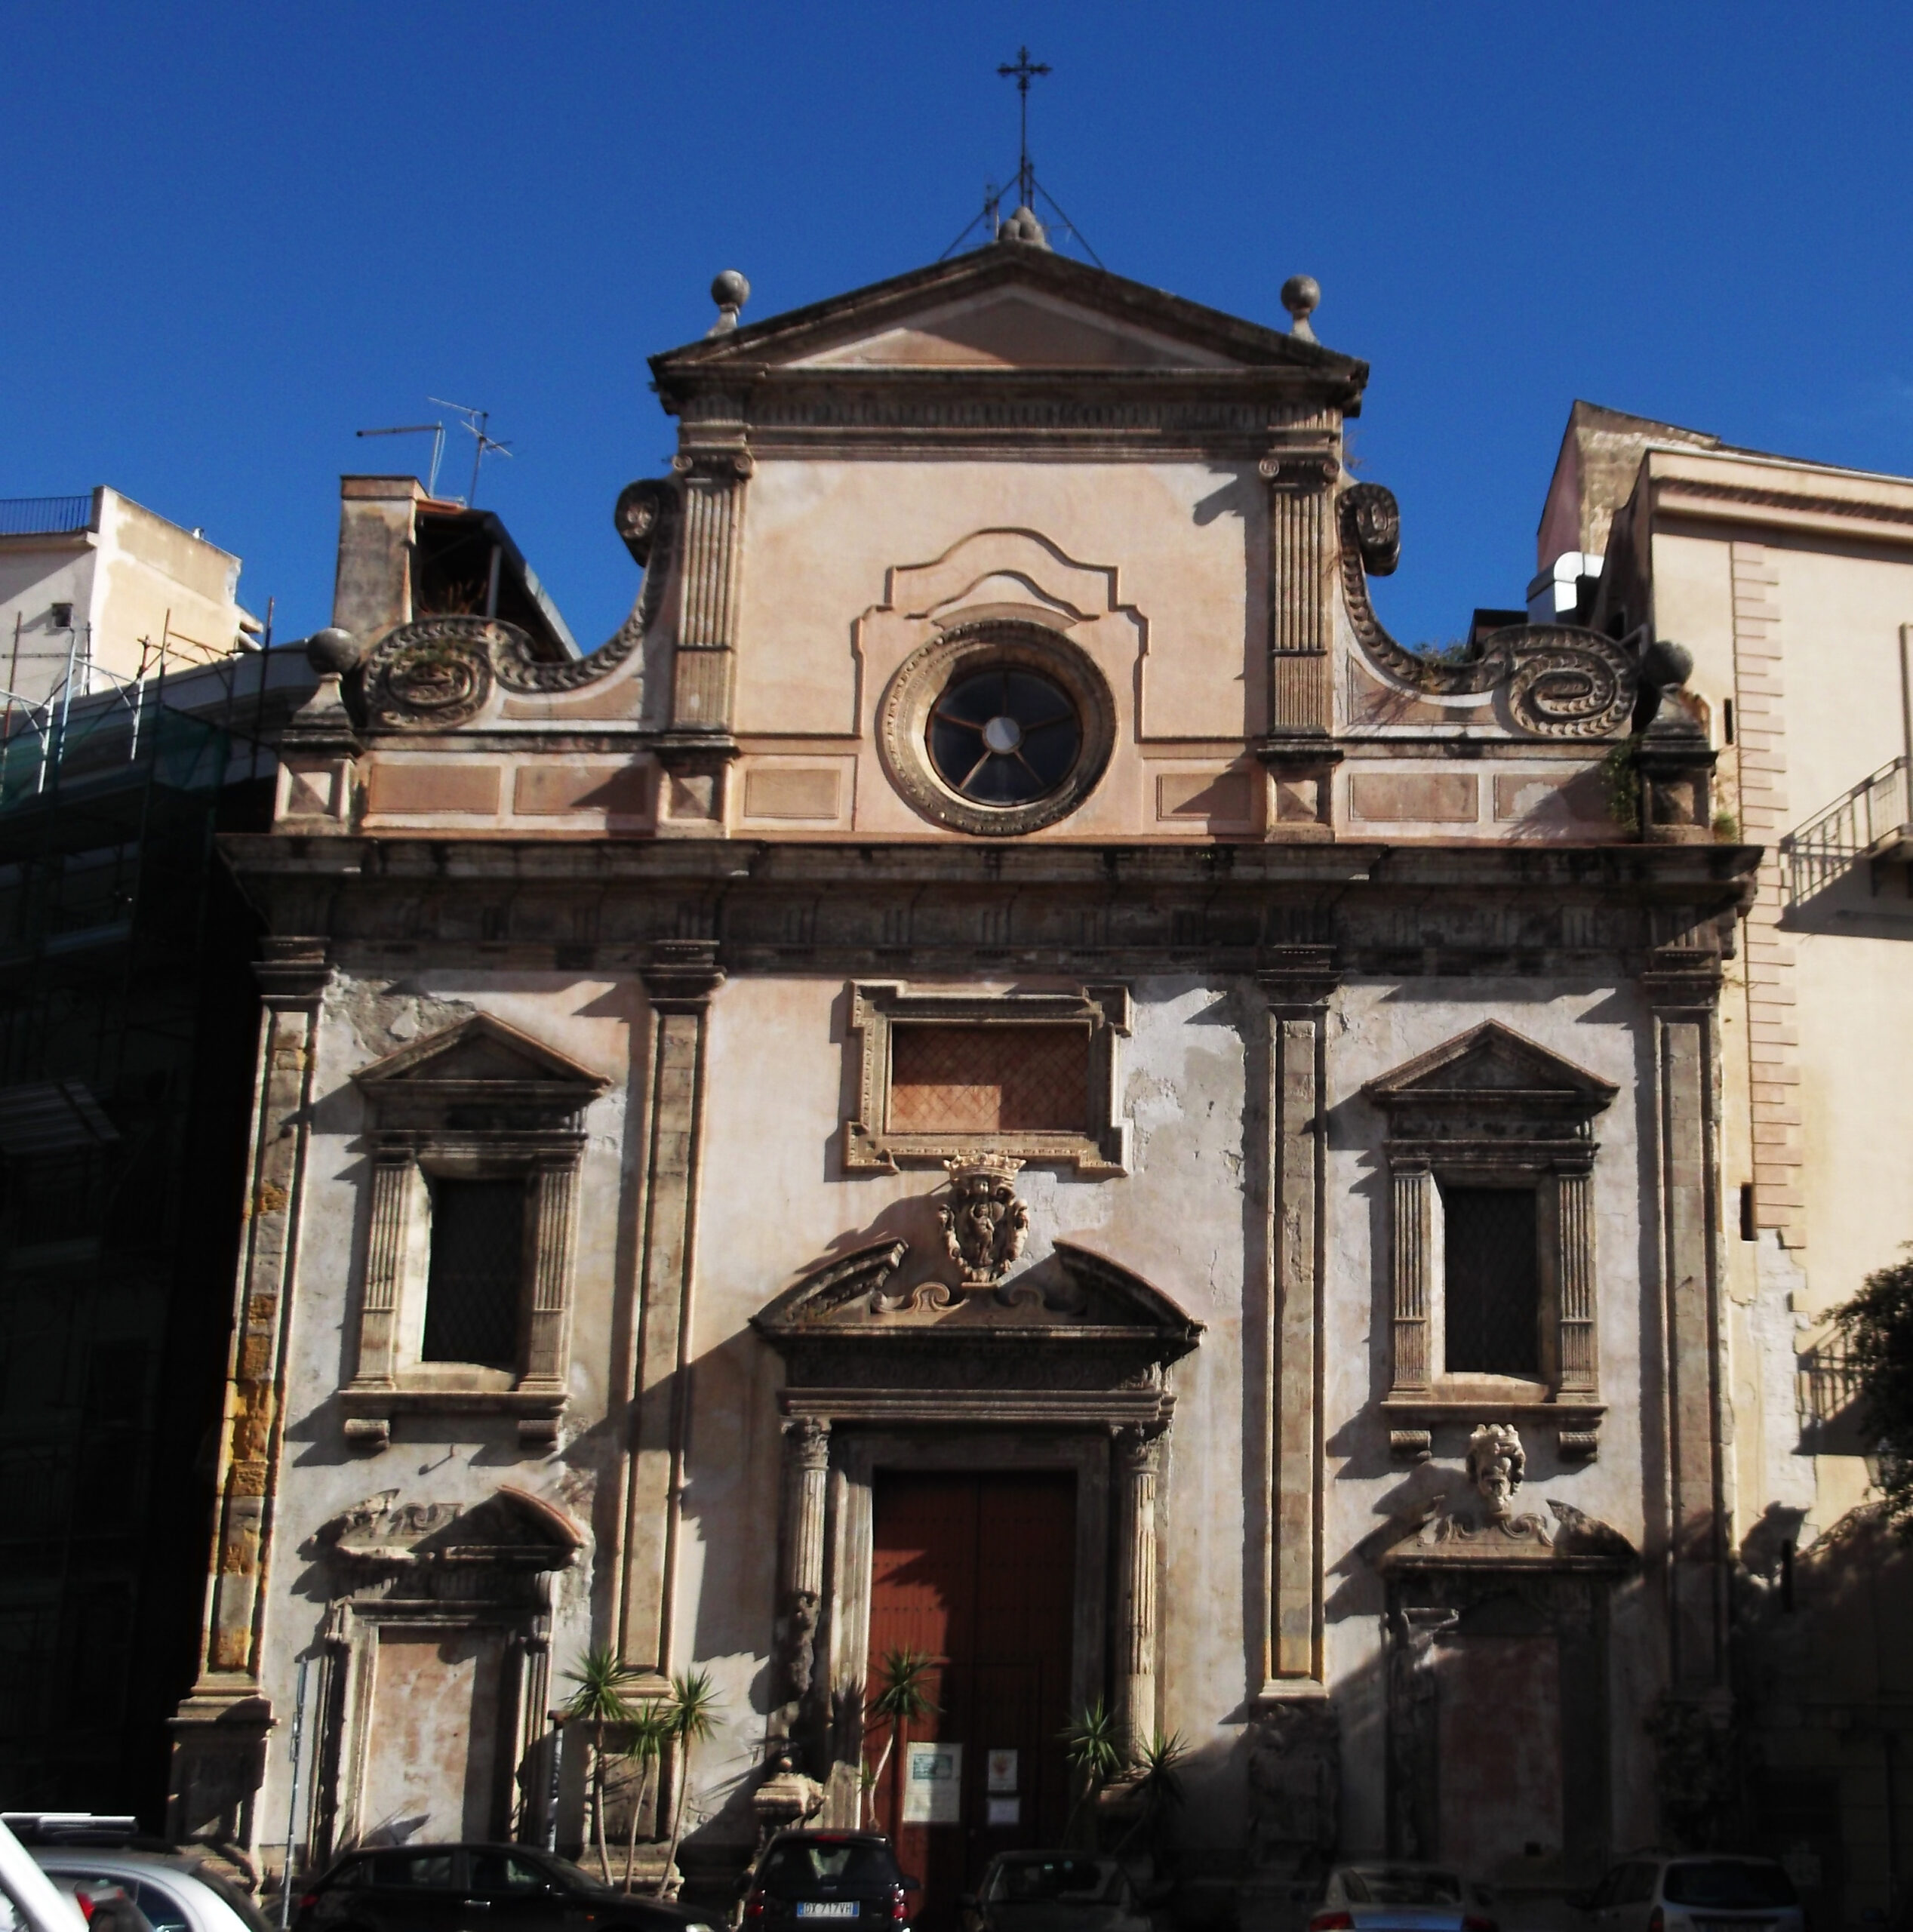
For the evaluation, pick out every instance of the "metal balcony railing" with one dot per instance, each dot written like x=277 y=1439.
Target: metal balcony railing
x=1874 y=820
x=44 y=516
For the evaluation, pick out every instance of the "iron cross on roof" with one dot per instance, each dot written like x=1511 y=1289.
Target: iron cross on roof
x=1023 y=71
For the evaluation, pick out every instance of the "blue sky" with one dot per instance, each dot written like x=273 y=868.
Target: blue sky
x=236 y=234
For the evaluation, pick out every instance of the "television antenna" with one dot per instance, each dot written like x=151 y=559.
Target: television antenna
x=436 y=430
x=482 y=444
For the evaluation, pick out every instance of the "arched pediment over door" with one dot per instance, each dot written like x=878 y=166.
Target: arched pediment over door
x=891 y=1369
x=1076 y=1340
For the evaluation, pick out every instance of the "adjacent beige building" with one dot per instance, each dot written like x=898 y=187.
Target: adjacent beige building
x=1003 y=1073
x=97 y=590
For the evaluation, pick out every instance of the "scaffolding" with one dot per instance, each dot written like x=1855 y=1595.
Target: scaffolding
x=126 y=1022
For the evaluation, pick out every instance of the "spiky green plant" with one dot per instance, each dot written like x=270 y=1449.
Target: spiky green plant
x=644 y=1744
x=599 y=1701
x=692 y=1715
x=1094 y=1748
x=1158 y=1787
x=902 y=1696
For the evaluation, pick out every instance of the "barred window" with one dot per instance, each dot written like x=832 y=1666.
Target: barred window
x=473 y=1292
x=1493 y=1299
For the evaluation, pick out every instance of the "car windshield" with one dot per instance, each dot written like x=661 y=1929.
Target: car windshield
x=1400 y=1885
x=573 y=1878
x=1728 y=1884
x=1047 y=1881
x=255 y=1920
x=796 y=1863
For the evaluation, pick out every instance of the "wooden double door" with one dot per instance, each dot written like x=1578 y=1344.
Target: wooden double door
x=977 y=1572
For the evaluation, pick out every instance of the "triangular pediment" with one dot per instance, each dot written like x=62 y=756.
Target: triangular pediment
x=511 y=1527
x=1490 y=1060
x=1006 y=307
x=480 y=1051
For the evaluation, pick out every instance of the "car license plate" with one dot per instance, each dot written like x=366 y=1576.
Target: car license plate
x=826 y=1908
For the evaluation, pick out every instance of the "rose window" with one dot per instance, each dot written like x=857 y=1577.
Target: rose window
x=1003 y=736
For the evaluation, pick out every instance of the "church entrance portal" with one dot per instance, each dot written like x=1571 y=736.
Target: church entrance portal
x=977 y=1572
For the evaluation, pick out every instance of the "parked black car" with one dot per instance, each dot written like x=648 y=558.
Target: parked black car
x=477 y=1888
x=807 y=1879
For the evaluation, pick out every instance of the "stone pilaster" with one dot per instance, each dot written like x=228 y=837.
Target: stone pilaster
x=1139 y=1460
x=1576 y=1344
x=548 y=1341
x=393 y=1172
x=680 y=978
x=1298 y=750
x=1684 y=985
x=1297 y=992
x=220 y=1730
x=714 y=485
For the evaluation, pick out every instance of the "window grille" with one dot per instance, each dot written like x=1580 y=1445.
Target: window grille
x=1493 y=1303
x=989 y=1079
x=473 y=1291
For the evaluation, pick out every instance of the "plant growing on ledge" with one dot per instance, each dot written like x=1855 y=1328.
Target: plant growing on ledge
x=1620 y=774
x=1877 y=1328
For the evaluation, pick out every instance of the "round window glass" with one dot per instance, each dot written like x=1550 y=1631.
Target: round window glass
x=1003 y=737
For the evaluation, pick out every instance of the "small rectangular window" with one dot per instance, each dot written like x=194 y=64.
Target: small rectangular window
x=476 y=1282
x=1748 y=1231
x=1727 y=719
x=1006 y=1079
x=1492 y=1302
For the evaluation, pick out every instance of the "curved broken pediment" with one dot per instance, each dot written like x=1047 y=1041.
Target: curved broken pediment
x=1075 y=1331
x=511 y=1528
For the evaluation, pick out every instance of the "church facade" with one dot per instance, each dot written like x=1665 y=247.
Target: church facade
x=1001 y=1077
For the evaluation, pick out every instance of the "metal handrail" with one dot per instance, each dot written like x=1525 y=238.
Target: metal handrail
x=44 y=516
x=1825 y=846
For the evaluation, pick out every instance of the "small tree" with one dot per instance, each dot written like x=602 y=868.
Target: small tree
x=1877 y=1328
x=599 y=1702
x=691 y=1718
x=1095 y=1752
x=650 y=1731
x=903 y=1697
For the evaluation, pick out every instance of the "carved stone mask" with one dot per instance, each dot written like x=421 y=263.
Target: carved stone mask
x=1497 y=1464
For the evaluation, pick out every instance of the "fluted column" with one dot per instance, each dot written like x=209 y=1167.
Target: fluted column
x=1138 y=1459
x=806 y=1452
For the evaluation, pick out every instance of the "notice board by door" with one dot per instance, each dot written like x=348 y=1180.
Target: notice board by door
x=977 y=1573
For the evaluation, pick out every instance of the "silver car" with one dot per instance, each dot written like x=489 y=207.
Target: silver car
x=1394 y=1895
x=1713 y=1893
x=175 y=1893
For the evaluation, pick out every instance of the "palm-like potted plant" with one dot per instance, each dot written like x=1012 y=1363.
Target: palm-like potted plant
x=645 y=1740
x=903 y=1697
x=599 y=1701
x=691 y=1717
x=1093 y=1747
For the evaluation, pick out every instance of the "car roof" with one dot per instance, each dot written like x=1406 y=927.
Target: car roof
x=824 y=1834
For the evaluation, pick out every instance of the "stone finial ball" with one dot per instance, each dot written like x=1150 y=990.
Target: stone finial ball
x=730 y=291
x=333 y=652
x=1300 y=294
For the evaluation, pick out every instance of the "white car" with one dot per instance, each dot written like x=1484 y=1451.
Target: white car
x=1712 y=1892
x=175 y=1893
x=1398 y=1895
